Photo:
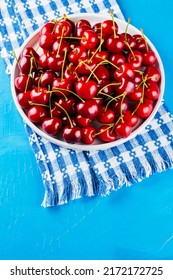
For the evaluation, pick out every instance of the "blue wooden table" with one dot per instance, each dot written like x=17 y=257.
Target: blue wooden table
x=132 y=223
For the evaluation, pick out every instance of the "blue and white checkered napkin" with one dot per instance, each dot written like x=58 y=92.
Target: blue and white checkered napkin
x=69 y=174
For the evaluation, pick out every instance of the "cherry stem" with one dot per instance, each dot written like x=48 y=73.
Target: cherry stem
x=61 y=37
x=130 y=50
x=107 y=61
x=38 y=104
x=141 y=99
x=114 y=99
x=92 y=72
x=111 y=84
x=113 y=21
x=30 y=71
x=71 y=124
x=61 y=89
x=121 y=105
x=17 y=61
x=101 y=42
x=50 y=104
x=146 y=44
x=127 y=28
x=100 y=132
x=62 y=70
x=87 y=66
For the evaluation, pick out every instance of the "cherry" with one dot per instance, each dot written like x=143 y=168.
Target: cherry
x=48 y=27
x=23 y=83
x=27 y=64
x=39 y=95
x=130 y=118
x=60 y=46
x=70 y=73
x=89 y=39
x=120 y=106
x=135 y=59
x=65 y=121
x=129 y=40
x=144 y=109
x=99 y=56
x=37 y=114
x=109 y=27
x=24 y=99
x=124 y=70
x=30 y=52
x=149 y=57
x=62 y=87
x=80 y=30
x=126 y=85
x=140 y=42
x=83 y=22
x=105 y=87
x=123 y=130
x=46 y=40
x=43 y=61
x=47 y=78
x=138 y=78
x=153 y=73
x=88 y=109
x=136 y=94
x=51 y=125
x=72 y=134
x=82 y=121
x=55 y=63
x=152 y=90
x=105 y=115
x=85 y=67
x=77 y=53
x=63 y=28
x=105 y=134
x=102 y=72
x=69 y=105
x=115 y=44
x=117 y=59
x=88 y=134
x=86 y=90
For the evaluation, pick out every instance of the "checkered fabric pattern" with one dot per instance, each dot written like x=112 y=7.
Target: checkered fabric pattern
x=69 y=174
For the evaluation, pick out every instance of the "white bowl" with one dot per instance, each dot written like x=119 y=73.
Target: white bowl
x=32 y=41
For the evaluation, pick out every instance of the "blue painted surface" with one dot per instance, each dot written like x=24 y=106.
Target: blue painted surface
x=132 y=223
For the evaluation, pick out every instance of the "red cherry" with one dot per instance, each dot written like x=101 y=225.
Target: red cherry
x=63 y=28
x=83 y=121
x=69 y=105
x=140 y=42
x=129 y=41
x=86 y=90
x=117 y=59
x=89 y=39
x=149 y=57
x=48 y=27
x=83 y=22
x=105 y=115
x=55 y=63
x=123 y=130
x=81 y=29
x=105 y=134
x=62 y=87
x=24 y=99
x=119 y=106
x=46 y=41
x=77 y=53
x=145 y=109
x=135 y=59
x=126 y=85
x=115 y=44
x=108 y=27
x=37 y=114
x=136 y=94
x=51 y=125
x=70 y=73
x=124 y=70
x=23 y=82
x=60 y=46
x=86 y=66
x=30 y=52
x=88 y=134
x=102 y=73
x=100 y=56
x=71 y=134
x=39 y=95
x=43 y=61
x=130 y=118
x=88 y=109
x=153 y=73
x=152 y=90
x=47 y=78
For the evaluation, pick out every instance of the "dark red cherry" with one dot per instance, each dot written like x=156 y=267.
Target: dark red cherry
x=130 y=42
x=145 y=109
x=77 y=53
x=124 y=70
x=60 y=46
x=136 y=94
x=86 y=90
x=82 y=121
x=123 y=130
x=63 y=28
x=117 y=59
x=55 y=63
x=152 y=91
x=47 y=78
x=51 y=125
x=24 y=99
x=153 y=73
x=149 y=57
x=39 y=95
x=46 y=40
x=130 y=118
x=135 y=59
x=105 y=115
x=88 y=109
x=72 y=134
x=108 y=27
x=88 y=134
x=105 y=134
x=62 y=87
x=89 y=39
x=48 y=27
x=115 y=44
x=37 y=114
x=23 y=83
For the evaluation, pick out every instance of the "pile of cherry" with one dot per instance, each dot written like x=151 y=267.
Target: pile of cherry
x=86 y=82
